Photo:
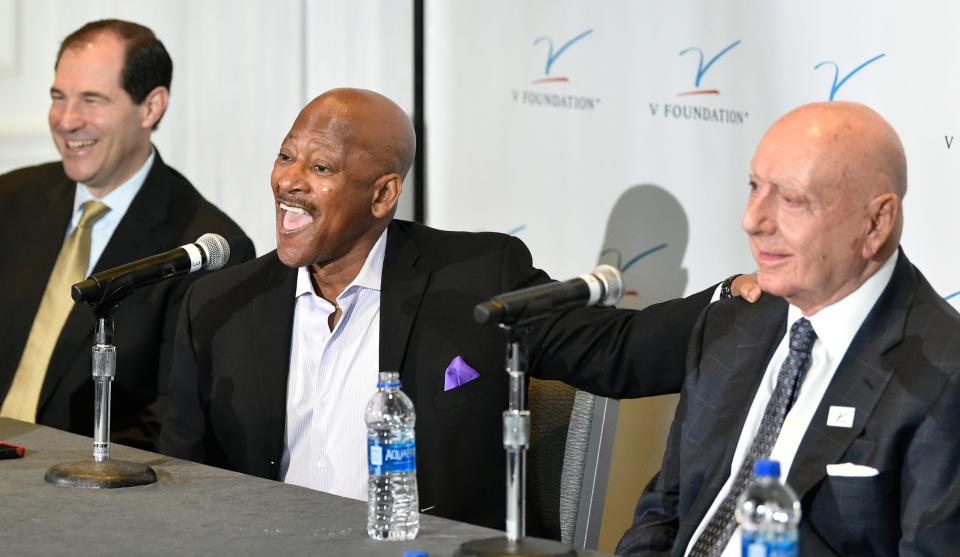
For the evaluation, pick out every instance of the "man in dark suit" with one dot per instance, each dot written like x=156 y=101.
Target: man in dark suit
x=275 y=359
x=859 y=403
x=110 y=90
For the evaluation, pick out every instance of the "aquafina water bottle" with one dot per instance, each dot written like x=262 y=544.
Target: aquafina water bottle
x=769 y=514
x=391 y=454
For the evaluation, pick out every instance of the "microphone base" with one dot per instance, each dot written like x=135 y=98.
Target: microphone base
x=524 y=547
x=107 y=474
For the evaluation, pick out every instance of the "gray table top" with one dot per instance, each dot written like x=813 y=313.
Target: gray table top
x=192 y=510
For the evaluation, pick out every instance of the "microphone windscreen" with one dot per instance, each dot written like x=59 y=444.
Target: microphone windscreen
x=217 y=250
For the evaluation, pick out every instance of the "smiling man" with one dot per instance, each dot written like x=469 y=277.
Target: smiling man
x=847 y=371
x=276 y=359
x=110 y=200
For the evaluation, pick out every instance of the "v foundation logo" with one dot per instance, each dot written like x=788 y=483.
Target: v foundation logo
x=708 y=111
x=703 y=68
x=553 y=55
x=550 y=89
x=839 y=82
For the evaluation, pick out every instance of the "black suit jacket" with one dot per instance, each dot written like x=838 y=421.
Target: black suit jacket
x=900 y=373
x=231 y=362
x=35 y=209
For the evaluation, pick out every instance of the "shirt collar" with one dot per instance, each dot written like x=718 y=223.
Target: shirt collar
x=838 y=323
x=369 y=276
x=118 y=200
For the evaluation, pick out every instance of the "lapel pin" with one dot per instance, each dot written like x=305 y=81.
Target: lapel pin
x=841 y=416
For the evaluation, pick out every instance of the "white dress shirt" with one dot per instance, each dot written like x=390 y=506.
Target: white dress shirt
x=835 y=325
x=333 y=374
x=118 y=200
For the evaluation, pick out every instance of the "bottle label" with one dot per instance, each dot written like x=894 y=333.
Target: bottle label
x=386 y=458
x=753 y=547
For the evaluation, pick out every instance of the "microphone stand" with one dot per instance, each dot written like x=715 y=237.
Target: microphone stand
x=516 y=440
x=102 y=472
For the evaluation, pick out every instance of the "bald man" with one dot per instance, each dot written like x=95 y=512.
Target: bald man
x=846 y=372
x=275 y=360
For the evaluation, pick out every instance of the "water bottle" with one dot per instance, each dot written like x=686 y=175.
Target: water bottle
x=391 y=454
x=769 y=514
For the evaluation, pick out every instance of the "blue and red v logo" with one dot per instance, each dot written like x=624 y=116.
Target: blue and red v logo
x=552 y=56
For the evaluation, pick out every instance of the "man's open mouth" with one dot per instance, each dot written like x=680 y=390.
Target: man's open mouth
x=294 y=218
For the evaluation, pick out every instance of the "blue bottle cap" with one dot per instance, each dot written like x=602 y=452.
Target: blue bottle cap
x=415 y=553
x=388 y=379
x=767 y=468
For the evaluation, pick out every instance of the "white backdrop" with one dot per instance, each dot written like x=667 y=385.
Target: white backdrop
x=507 y=151
x=595 y=131
x=242 y=71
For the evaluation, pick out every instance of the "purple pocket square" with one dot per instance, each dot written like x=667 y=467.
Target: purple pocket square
x=458 y=373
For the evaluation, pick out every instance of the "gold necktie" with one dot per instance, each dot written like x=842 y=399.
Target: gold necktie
x=70 y=268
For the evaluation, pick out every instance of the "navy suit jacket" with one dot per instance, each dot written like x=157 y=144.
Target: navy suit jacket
x=901 y=373
x=36 y=204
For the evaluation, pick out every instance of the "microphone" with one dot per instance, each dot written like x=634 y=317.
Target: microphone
x=210 y=251
x=604 y=286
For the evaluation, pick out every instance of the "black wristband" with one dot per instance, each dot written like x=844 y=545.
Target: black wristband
x=725 y=291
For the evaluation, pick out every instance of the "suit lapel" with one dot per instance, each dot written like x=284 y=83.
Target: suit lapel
x=756 y=342
x=46 y=241
x=132 y=239
x=750 y=344
x=134 y=236
x=403 y=284
x=26 y=291
x=859 y=382
x=272 y=332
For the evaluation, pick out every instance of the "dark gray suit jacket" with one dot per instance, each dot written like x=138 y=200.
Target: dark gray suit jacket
x=36 y=204
x=901 y=373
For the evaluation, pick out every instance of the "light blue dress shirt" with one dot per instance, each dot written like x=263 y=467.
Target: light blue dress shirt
x=118 y=200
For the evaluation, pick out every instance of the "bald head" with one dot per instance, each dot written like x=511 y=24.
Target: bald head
x=370 y=126
x=852 y=141
x=337 y=180
x=825 y=205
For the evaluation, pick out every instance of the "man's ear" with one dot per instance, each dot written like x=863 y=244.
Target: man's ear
x=153 y=107
x=884 y=217
x=386 y=192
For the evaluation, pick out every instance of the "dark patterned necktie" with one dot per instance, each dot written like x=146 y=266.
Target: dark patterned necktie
x=716 y=535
